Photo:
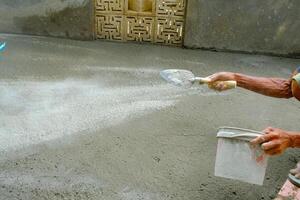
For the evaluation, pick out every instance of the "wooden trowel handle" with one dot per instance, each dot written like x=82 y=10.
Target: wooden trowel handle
x=228 y=84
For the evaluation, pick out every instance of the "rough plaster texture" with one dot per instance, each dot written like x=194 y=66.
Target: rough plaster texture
x=59 y=18
x=93 y=120
x=251 y=26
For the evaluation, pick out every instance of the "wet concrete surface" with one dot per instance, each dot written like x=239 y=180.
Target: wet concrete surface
x=93 y=120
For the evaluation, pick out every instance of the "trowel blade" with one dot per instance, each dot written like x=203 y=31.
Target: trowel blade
x=178 y=77
x=2 y=46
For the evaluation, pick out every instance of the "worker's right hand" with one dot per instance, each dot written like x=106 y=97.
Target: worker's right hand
x=222 y=76
x=275 y=141
x=217 y=80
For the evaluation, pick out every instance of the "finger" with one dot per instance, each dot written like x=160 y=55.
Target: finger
x=268 y=130
x=219 y=76
x=220 y=86
x=262 y=139
x=211 y=86
x=294 y=171
x=213 y=77
x=207 y=80
x=297 y=175
x=270 y=145
x=275 y=151
x=214 y=86
x=257 y=140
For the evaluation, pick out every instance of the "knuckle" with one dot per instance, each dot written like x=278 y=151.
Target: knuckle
x=279 y=151
x=276 y=134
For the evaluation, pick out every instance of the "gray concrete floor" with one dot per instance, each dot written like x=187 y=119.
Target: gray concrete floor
x=93 y=120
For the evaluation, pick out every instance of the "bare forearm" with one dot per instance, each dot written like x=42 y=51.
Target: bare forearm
x=274 y=87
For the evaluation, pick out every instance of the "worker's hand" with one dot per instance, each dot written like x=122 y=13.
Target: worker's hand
x=222 y=76
x=296 y=171
x=274 y=141
x=216 y=80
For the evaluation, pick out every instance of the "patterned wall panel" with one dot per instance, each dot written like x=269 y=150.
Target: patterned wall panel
x=109 y=27
x=156 y=21
x=139 y=29
x=169 y=31
x=109 y=6
x=140 y=7
x=170 y=8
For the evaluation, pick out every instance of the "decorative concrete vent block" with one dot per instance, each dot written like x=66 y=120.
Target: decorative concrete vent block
x=169 y=31
x=139 y=29
x=170 y=8
x=140 y=7
x=109 y=6
x=152 y=21
x=109 y=27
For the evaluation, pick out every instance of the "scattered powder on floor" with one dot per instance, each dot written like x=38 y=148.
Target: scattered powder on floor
x=32 y=112
x=37 y=111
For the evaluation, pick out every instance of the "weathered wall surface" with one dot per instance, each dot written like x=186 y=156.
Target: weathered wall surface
x=59 y=18
x=253 y=26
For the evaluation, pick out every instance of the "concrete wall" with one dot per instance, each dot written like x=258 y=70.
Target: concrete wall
x=253 y=26
x=59 y=18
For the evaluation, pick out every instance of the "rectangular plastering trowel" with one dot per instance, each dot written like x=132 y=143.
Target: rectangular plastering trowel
x=237 y=159
x=186 y=78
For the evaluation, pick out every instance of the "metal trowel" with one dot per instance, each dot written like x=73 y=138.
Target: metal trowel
x=2 y=46
x=185 y=78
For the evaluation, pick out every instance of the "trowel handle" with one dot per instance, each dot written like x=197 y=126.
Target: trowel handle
x=229 y=84
x=202 y=80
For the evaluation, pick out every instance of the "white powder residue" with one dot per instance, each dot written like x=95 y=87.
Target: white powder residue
x=117 y=69
x=34 y=112
x=149 y=72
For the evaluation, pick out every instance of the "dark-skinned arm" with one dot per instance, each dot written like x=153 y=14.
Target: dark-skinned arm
x=275 y=140
x=274 y=87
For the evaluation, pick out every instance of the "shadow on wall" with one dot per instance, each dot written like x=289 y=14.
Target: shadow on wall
x=71 y=22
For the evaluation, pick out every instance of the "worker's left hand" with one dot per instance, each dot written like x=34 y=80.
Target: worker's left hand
x=274 y=141
x=296 y=171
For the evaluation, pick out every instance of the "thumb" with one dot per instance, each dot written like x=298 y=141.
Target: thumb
x=212 y=78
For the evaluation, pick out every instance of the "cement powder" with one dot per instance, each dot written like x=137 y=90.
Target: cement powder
x=35 y=111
